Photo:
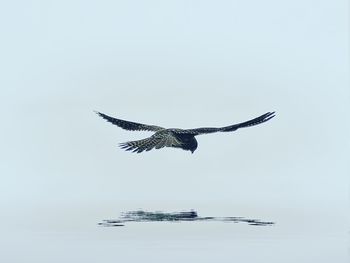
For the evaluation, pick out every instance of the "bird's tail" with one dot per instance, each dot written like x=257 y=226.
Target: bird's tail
x=138 y=146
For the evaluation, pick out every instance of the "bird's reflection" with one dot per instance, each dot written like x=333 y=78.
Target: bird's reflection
x=159 y=216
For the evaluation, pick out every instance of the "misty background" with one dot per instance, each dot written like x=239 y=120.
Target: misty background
x=182 y=64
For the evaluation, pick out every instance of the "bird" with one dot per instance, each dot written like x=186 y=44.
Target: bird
x=173 y=137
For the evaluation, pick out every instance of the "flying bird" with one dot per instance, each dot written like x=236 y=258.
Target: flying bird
x=176 y=138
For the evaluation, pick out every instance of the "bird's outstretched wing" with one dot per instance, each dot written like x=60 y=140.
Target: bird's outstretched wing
x=165 y=139
x=263 y=118
x=128 y=125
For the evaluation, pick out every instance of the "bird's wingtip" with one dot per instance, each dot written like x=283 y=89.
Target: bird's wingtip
x=100 y=114
x=269 y=116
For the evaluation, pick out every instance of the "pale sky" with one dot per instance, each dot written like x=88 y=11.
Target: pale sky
x=183 y=64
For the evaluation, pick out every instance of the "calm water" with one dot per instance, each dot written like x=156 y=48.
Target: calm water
x=70 y=235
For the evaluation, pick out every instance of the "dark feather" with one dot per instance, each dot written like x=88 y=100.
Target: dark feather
x=263 y=118
x=129 y=125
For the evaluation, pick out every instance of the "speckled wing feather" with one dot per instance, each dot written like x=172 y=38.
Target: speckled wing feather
x=261 y=119
x=157 y=141
x=129 y=125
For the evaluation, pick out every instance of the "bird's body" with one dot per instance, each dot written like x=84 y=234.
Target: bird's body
x=173 y=137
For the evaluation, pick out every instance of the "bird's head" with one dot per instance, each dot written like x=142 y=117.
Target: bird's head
x=193 y=146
